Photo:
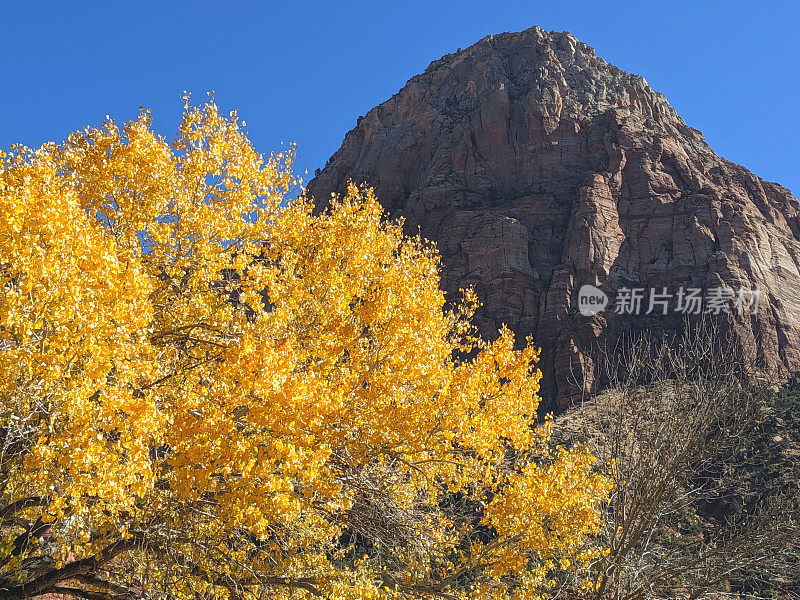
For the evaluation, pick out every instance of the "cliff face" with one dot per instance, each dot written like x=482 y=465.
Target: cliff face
x=537 y=168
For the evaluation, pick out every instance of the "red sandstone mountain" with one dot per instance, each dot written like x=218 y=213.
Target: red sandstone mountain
x=537 y=168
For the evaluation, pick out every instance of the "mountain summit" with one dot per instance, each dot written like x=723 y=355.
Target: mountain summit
x=539 y=168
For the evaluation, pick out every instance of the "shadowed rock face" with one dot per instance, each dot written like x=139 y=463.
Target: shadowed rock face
x=537 y=167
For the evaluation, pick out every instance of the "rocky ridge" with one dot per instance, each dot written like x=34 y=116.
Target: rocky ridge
x=537 y=167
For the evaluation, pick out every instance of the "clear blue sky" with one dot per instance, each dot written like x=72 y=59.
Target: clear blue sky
x=304 y=71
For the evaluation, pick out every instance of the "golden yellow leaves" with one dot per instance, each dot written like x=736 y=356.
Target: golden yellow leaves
x=74 y=310
x=181 y=346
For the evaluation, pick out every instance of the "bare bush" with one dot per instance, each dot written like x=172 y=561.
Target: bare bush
x=689 y=515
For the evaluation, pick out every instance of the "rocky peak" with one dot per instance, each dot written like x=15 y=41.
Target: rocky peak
x=555 y=70
x=537 y=167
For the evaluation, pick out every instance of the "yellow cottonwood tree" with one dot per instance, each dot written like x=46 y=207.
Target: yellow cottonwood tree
x=207 y=390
